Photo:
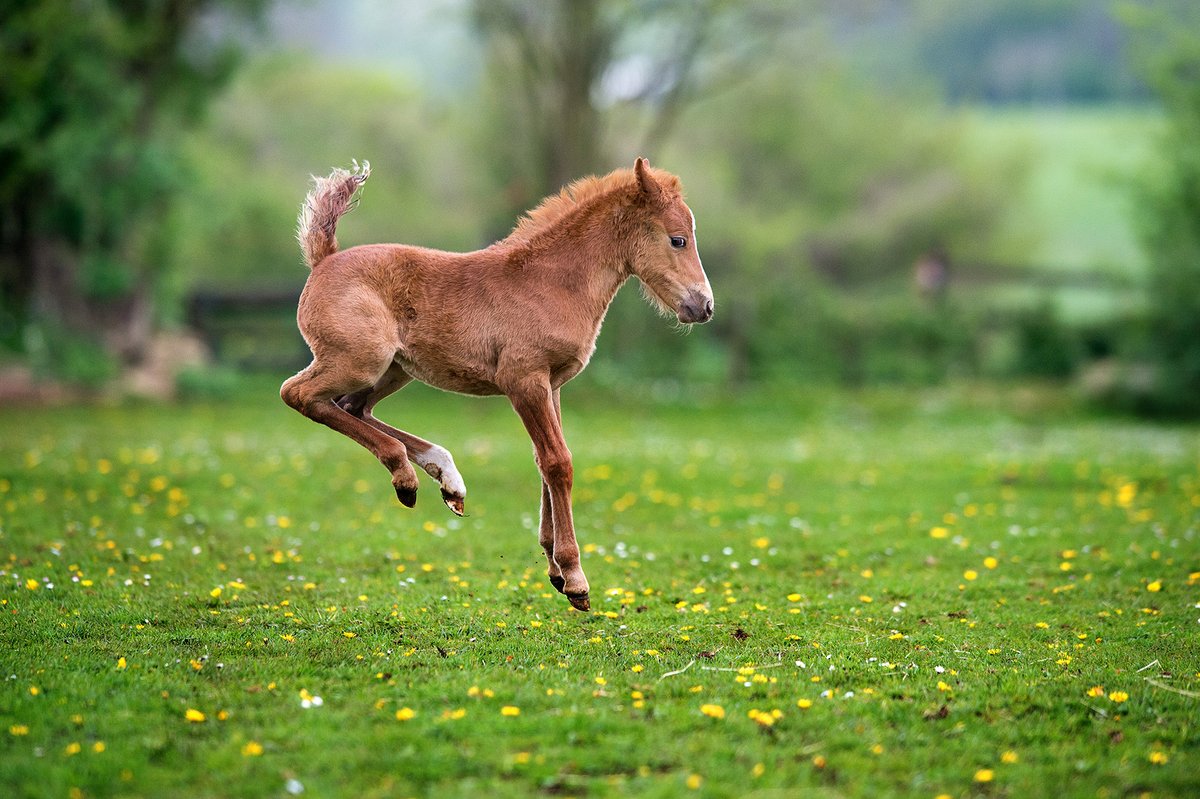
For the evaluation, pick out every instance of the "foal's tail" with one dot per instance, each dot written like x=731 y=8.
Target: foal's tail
x=329 y=199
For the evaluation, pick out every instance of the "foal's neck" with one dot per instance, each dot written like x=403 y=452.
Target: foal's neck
x=588 y=258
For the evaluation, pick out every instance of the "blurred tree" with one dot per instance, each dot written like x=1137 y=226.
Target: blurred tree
x=93 y=98
x=1169 y=38
x=1021 y=51
x=567 y=80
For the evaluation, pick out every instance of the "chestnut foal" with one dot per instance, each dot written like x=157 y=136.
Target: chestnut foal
x=519 y=318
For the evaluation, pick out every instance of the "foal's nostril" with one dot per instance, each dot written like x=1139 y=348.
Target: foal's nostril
x=696 y=308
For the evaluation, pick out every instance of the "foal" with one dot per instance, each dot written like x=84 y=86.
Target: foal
x=519 y=318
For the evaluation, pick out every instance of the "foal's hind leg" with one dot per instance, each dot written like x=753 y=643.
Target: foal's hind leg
x=435 y=460
x=312 y=393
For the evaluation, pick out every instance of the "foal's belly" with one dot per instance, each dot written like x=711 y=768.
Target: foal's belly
x=477 y=381
x=459 y=379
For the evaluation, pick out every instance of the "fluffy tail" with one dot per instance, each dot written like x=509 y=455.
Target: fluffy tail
x=329 y=199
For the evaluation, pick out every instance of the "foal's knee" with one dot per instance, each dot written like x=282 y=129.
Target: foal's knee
x=556 y=468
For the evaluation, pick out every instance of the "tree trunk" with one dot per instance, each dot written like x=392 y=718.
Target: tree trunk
x=121 y=325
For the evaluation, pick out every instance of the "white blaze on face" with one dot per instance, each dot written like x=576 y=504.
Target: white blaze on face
x=696 y=246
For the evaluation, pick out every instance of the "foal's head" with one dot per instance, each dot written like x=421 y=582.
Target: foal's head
x=665 y=257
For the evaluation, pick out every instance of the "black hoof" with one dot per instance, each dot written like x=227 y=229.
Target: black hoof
x=453 y=503
x=580 y=601
x=558 y=582
x=407 y=496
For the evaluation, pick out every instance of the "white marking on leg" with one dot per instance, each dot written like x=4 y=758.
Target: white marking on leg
x=439 y=464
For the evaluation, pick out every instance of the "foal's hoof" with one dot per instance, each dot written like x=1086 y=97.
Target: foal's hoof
x=453 y=502
x=407 y=496
x=580 y=601
x=558 y=582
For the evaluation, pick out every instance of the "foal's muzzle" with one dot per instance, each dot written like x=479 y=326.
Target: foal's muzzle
x=696 y=307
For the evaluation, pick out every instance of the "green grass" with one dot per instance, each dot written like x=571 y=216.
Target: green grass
x=233 y=559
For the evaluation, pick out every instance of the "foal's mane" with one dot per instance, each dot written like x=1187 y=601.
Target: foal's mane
x=583 y=193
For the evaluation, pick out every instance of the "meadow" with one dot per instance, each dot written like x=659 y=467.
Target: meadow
x=955 y=592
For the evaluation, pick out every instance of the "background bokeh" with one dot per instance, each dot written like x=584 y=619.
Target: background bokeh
x=888 y=191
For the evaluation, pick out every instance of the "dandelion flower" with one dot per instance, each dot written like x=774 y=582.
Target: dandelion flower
x=405 y=713
x=194 y=716
x=252 y=749
x=694 y=781
x=970 y=574
x=1009 y=757
x=1154 y=587
x=985 y=775
x=713 y=711
x=510 y=710
x=1158 y=758
x=1096 y=690
x=804 y=704
x=1118 y=696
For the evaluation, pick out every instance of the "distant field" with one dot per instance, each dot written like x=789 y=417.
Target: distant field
x=946 y=593
x=1077 y=214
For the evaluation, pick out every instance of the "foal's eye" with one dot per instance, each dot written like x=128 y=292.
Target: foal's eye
x=678 y=242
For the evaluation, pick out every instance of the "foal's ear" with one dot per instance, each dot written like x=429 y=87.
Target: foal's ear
x=646 y=181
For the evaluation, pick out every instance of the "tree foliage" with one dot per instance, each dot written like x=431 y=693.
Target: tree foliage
x=94 y=97
x=1170 y=207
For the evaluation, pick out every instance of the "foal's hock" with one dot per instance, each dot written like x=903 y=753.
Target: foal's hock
x=519 y=318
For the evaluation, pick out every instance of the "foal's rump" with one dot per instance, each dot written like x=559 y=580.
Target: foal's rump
x=344 y=316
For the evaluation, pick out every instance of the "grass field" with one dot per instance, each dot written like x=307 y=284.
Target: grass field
x=960 y=593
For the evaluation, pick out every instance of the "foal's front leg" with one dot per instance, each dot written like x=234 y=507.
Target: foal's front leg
x=534 y=402
x=546 y=519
